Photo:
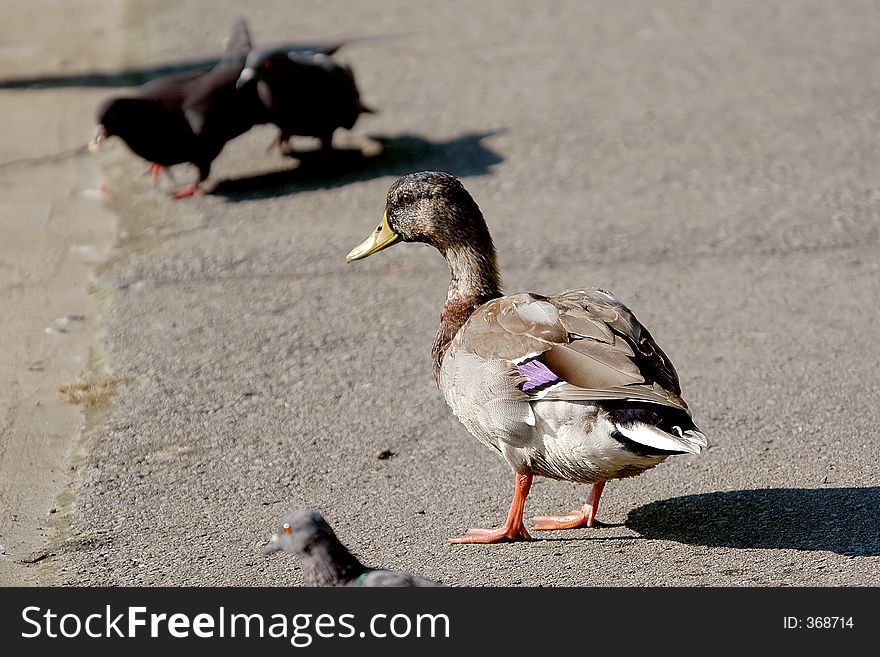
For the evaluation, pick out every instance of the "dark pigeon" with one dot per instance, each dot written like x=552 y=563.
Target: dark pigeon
x=186 y=117
x=305 y=93
x=324 y=560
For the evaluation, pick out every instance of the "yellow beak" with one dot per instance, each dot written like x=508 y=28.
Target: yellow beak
x=379 y=239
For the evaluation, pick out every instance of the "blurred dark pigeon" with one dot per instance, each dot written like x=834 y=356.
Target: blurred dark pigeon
x=324 y=560
x=305 y=93
x=186 y=117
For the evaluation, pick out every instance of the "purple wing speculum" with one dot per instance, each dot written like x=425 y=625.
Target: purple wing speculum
x=537 y=375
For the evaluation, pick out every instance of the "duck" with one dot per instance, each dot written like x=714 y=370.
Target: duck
x=567 y=386
x=325 y=561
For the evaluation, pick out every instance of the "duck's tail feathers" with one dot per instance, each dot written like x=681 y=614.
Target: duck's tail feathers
x=674 y=441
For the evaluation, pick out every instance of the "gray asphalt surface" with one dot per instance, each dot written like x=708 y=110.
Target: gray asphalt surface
x=714 y=164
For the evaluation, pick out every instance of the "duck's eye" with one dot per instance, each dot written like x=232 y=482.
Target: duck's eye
x=407 y=199
x=286 y=528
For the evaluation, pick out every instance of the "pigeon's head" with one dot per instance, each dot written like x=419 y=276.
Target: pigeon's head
x=299 y=532
x=430 y=207
x=246 y=76
x=108 y=113
x=114 y=116
x=258 y=64
x=112 y=112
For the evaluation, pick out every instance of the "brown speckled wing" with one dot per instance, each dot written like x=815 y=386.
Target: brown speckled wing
x=586 y=337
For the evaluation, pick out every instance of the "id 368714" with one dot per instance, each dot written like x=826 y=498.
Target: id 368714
x=818 y=623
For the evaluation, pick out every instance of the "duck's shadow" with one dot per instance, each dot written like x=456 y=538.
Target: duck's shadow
x=395 y=156
x=841 y=520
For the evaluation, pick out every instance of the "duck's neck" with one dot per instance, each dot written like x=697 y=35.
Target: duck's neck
x=475 y=280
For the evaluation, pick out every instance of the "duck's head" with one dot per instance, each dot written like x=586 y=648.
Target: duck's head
x=430 y=207
x=298 y=532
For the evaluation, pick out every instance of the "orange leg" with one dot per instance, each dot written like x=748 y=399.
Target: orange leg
x=513 y=529
x=154 y=170
x=281 y=143
x=583 y=517
x=189 y=190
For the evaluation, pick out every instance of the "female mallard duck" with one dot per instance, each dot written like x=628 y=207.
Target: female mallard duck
x=569 y=386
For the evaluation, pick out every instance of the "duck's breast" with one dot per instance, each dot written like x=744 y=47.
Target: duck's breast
x=481 y=396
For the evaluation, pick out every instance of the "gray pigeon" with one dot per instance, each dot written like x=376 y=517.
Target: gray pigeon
x=305 y=94
x=185 y=117
x=324 y=560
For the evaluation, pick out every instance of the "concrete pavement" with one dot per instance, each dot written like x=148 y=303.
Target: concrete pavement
x=711 y=163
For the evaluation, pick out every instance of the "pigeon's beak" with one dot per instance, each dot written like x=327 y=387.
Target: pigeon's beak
x=379 y=239
x=272 y=546
x=246 y=76
x=99 y=136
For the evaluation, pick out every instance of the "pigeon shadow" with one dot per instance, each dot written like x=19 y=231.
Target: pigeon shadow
x=132 y=77
x=462 y=156
x=840 y=520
